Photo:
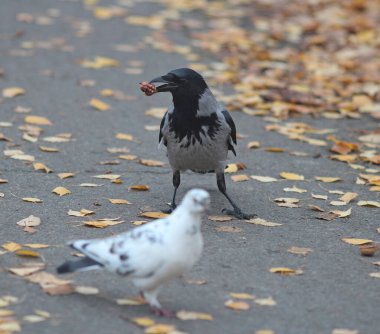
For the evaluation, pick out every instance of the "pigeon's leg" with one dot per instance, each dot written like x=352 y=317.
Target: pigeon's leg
x=236 y=212
x=155 y=306
x=176 y=183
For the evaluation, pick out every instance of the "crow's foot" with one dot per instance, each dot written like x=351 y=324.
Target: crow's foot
x=237 y=213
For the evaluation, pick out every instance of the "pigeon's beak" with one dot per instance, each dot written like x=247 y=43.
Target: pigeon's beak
x=167 y=85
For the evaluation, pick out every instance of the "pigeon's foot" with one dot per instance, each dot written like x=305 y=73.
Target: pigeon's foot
x=163 y=313
x=237 y=213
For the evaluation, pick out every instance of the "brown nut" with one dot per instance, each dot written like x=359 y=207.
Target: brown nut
x=147 y=88
x=368 y=249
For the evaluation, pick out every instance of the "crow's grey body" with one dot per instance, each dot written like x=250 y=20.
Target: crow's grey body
x=202 y=153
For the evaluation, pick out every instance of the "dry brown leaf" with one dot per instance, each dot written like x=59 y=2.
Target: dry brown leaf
x=10 y=92
x=233 y=168
x=137 y=300
x=263 y=222
x=263 y=178
x=61 y=191
x=287 y=202
x=240 y=177
x=11 y=246
x=327 y=179
x=230 y=229
x=37 y=246
x=344 y=331
x=241 y=295
x=119 y=201
x=295 y=189
x=342 y=214
x=348 y=197
x=188 y=315
x=253 y=144
x=275 y=149
x=375 y=275
x=343 y=147
x=153 y=214
x=139 y=222
x=156 y=112
x=160 y=329
x=299 y=250
x=345 y=157
x=356 y=241
x=107 y=176
x=139 y=187
x=27 y=253
x=32 y=200
x=37 y=120
x=265 y=301
x=29 y=221
x=373 y=204
x=324 y=197
x=292 y=176
x=124 y=136
x=65 y=175
x=99 y=105
x=41 y=166
x=143 y=321
x=220 y=218
x=237 y=305
x=151 y=163
x=27 y=269
x=99 y=62
x=102 y=223
x=86 y=290
x=286 y=271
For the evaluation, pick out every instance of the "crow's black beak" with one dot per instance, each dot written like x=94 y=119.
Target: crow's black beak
x=167 y=86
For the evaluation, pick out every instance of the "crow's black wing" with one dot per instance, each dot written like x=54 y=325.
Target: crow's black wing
x=161 y=127
x=232 y=126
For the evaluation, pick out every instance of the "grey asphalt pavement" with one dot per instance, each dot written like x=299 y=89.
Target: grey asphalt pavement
x=42 y=54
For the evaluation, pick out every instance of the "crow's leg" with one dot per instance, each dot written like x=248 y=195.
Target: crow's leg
x=236 y=212
x=176 y=183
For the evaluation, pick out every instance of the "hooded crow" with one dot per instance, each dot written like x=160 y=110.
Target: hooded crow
x=196 y=130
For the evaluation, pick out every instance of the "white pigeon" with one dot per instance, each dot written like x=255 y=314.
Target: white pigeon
x=151 y=254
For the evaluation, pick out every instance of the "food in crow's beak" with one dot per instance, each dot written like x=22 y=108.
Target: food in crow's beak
x=147 y=88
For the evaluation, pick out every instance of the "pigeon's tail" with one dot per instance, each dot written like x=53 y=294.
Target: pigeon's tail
x=78 y=265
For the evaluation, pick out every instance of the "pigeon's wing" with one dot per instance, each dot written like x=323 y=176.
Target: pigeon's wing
x=137 y=253
x=232 y=126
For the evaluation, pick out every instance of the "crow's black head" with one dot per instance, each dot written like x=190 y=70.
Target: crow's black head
x=181 y=82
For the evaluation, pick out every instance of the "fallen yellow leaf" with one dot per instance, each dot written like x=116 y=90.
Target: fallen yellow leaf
x=99 y=105
x=286 y=271
x=61 y=191
x=119 y=201
x=187 y=315
x=292 y=176
x=143 y=321
x=32 y=200
x=160 y=329
x=263 y=222
x=27 y=253
x=356 y=241
x=156 y=112
x=124 y=136
x=263 y=178
x=13 y=91
x=153 y=214
x=240 y=178
x=327 y=179
x=241 y=295
x=151 y=163
x=41 y=166
x=139 y=187
x=37 y=120
x=232 y=168
x=86 y=290
x=107 y=176
x=11 y=246
x=265 y=301
x=369 y=203
x=237 y=305
x=65 y=175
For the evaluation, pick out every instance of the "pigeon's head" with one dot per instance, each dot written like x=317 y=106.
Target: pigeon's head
x=181 y=82
x=197 y=200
